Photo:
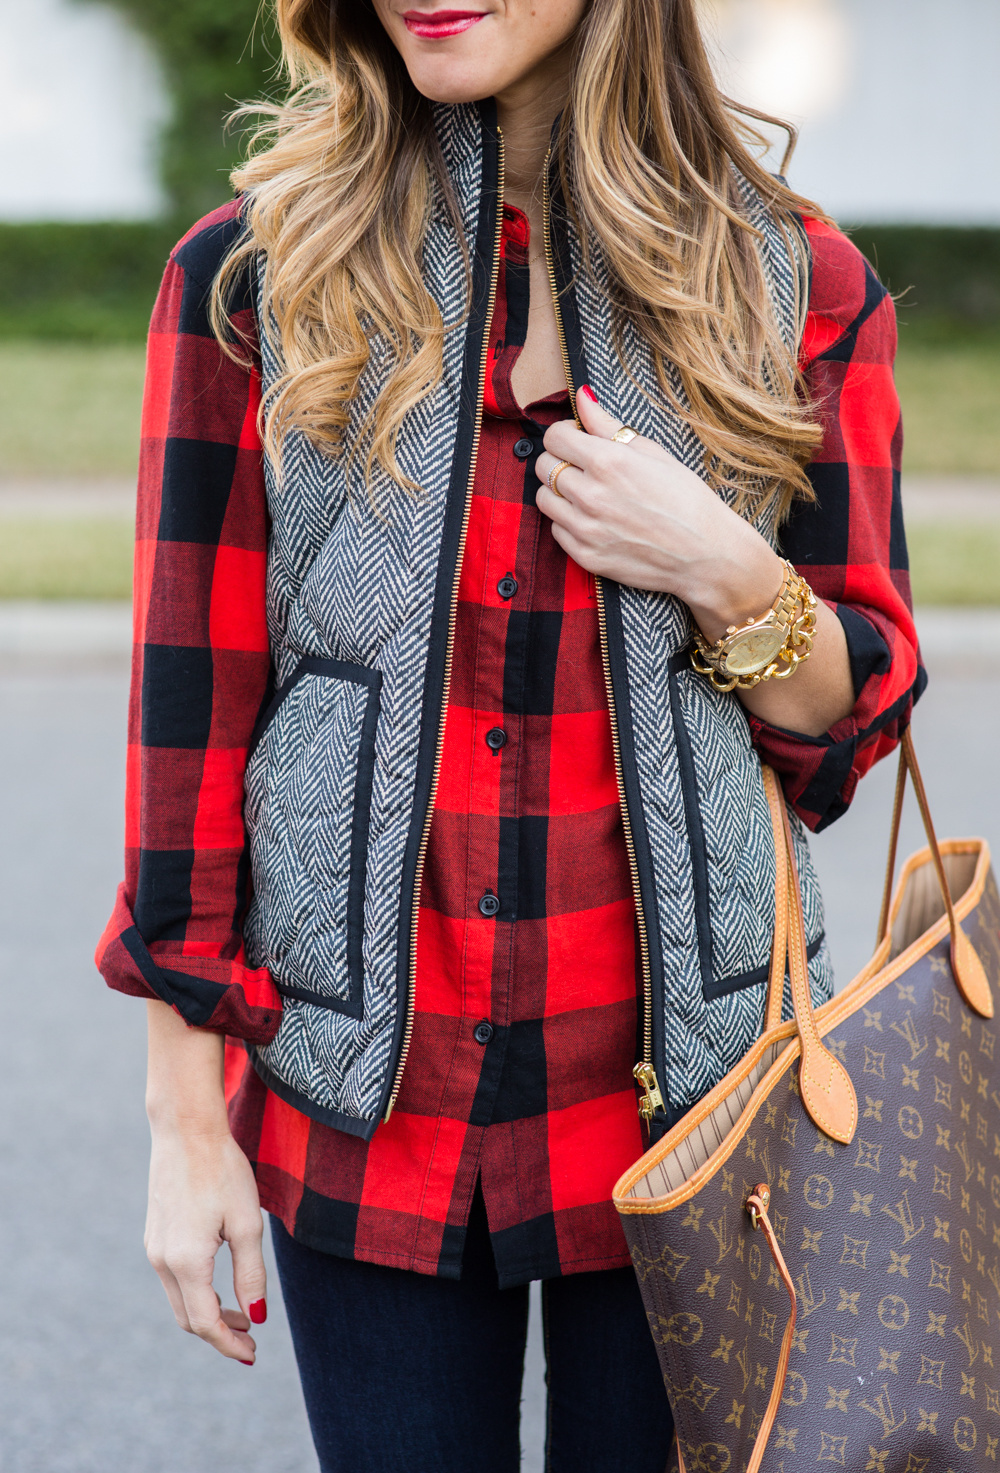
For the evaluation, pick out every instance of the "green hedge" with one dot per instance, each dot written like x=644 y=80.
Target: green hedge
x=97 y=282
x=90 y=282
x=946 y=280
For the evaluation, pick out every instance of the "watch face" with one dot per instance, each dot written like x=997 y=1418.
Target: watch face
x=753 y=651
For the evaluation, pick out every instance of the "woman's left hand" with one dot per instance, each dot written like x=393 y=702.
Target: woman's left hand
x=635 y=514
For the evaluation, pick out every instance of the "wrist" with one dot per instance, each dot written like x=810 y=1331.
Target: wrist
x=185 y=1082
x=739 y=588
x=203 y=1121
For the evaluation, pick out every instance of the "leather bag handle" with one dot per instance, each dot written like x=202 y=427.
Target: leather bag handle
x=824 y=1084
x=779 y=946
x=757 y=1204
x=970 y=976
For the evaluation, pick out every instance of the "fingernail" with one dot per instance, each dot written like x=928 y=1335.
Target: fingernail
x=588 y=392
x=246 y=1362
x=258 y=1311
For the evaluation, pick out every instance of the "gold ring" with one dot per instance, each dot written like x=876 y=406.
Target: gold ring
x=623 y=434
x=554 y=474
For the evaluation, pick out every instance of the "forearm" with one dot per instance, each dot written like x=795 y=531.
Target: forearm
x=185 y=1088
x=741 y=584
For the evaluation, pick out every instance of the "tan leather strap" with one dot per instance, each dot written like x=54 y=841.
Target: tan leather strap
x=779 y=946
x=758 y=1202
x=890 y=869
x=825 y=1085
x=968 y=971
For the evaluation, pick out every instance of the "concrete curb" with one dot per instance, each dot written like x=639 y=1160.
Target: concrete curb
x=36 y=633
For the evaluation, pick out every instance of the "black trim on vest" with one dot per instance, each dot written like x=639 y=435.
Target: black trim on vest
x=696 y=839
x=616 y=656
x=353 y=1004
x=759 y=975
x=430 y=717
x=349 y=1124
x=312 y=665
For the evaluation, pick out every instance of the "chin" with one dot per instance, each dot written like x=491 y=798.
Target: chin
x=452 y=83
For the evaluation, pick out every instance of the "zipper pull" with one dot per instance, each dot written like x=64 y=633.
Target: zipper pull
x=652 y=1100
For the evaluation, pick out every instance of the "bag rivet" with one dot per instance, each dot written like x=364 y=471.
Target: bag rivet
x=762 y=1192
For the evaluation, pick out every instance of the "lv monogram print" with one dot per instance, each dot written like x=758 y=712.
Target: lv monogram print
x=893 y=1243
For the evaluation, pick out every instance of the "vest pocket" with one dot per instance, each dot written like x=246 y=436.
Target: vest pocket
x=753 y=922
x=308 y=803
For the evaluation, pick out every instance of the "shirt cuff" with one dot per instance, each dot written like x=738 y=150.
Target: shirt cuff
x=218 y=994
x=820 y=774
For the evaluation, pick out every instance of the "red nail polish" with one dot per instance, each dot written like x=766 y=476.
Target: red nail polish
x=246 y=1362
x=586 y=390
x=258 y=1311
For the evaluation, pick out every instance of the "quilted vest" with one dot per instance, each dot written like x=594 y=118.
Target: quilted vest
x=340 y=781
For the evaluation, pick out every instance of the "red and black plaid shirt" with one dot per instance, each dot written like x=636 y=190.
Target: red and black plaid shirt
x=519 y=1072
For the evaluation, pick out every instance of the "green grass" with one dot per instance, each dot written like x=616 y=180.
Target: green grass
x=955 y=565
x=69 y=409
x=83 y=558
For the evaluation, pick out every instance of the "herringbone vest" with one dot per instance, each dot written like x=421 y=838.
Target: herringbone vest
x=339 y=782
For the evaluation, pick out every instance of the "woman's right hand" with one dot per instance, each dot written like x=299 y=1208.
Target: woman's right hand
x=202 y=1191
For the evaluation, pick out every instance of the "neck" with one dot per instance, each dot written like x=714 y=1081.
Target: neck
x=526 y=112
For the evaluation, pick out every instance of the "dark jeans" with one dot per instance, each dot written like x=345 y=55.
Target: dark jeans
x=401 y=1371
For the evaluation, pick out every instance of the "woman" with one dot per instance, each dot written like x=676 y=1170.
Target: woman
x=433 y=811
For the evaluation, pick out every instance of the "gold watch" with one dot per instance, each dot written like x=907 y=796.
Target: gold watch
x=771 y=646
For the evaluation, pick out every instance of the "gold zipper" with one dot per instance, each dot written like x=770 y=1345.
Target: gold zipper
x=450 y=649
x=644 y=1071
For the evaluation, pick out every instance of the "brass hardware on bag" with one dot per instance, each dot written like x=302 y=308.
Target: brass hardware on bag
x=762 y=1194
x=652 y=1100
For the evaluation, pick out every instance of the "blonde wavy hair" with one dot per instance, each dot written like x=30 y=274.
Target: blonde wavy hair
x=342 y=177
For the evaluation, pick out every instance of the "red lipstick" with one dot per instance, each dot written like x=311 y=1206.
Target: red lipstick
x=435 y=25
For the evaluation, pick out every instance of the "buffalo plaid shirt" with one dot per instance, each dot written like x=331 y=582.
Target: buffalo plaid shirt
x=519 y=1076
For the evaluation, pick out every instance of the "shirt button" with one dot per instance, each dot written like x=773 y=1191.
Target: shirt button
x=524 y=447
x=507 y=587
x=482 y=1032
x=496 y=738
x=489 y=904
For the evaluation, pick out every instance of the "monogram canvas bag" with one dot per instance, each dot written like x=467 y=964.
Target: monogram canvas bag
x=818 y=1241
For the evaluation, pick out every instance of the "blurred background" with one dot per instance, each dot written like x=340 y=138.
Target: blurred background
x=112 y=142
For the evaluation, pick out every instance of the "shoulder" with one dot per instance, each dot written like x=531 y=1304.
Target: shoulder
x=192 y=268
x=848 y=304
x=202 y=250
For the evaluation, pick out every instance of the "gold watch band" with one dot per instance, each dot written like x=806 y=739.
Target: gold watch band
x=793 y=610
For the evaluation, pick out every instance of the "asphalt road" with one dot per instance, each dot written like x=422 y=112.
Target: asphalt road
x=94 y=1377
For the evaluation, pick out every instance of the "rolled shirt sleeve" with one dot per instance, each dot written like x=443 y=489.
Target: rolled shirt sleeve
x=849 y=543
x=200 y=665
